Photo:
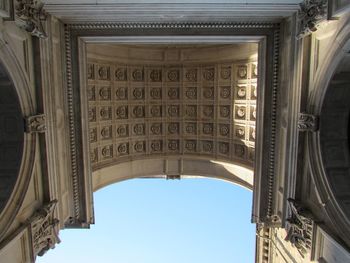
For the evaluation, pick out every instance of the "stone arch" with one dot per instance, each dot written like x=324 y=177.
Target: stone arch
x=329 y=147
x=173 y=168
x=18 y=158
x=171 y=110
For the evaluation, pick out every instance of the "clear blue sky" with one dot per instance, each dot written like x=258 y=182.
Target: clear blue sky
x=160 y=221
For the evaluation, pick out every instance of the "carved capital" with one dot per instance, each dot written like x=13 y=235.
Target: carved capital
x=32 y=16
x=36 y=123
x=43 y=226
x=307 y=122
x=300 y=226
x=310 y=14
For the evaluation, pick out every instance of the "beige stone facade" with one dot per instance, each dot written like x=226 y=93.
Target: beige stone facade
x=96 y=92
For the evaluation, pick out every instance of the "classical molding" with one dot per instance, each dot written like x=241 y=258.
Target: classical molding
x=310 y=14
x=93 y=32
x=169 y=12
x=300 y=228
x=31 y=15
x=36 y=124
x=307 y=122
x=44 y=229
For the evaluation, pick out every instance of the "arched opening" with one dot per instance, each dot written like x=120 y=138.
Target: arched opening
x=160 y=221
x=11 y=136
x=334 y=134
x=172 y=110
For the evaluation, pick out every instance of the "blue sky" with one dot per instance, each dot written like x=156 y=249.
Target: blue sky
x=160 y=221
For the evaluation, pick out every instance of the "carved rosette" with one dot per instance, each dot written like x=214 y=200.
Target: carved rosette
x=310 y=14
x=300 y=226
x=44 y=229
x=32 y=15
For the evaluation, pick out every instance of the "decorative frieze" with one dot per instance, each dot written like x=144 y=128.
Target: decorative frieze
x=36 y=124
x=44 y=229
x=300 y=227
x=307 y=122
x=32 y=15
x=310 y=14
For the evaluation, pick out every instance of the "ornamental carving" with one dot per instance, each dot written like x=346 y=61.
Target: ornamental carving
x=224 y=130
x=33 y=16
x=224 y=148
x=191 y=111
x=122 y=112
x=106 y=132
x=191 y=93
x=139 y=111
x=36 y=123
x=140 y=147
x=174 y=113
x=191 y=75
x=174 y=93
x=121 y=74
x=241 y=92
x=207 y=146
x=300 y=227
x=173 y=128
x=138 y=93
x=123 y=130
x=225 y=92
x=44 y=229
x=191 y=128
x=123 y=148
x=156 y=146
x=156 y=111
x=156 y=128
x=225 y=73
x=208 y=111
x=156 y=93
x=91 y=71
x=307 y=122
x=240 y=132
x=91 y=93
x=310 y=14
x=242 y=72
x=224 y=111
x=240 y=112
x=137 y=75
x=93 y=135
x=208 y=74
x=173 y=145
x=208 y=128
x=240 y=150
x=122 y=93
x=139 y=129
x=191 y=145
x=174 y=110
x=156 y=75
x=208 y=93
x=173 y=75
x=103 y=73
x=106 y=113
x=105 y=93
x=107 y=151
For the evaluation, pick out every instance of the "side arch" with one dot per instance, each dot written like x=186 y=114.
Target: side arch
x=328 y=154
x=21 y=150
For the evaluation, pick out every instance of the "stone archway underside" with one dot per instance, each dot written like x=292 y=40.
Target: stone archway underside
x=173 y=104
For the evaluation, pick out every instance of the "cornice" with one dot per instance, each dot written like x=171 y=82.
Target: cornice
x=77 y=13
